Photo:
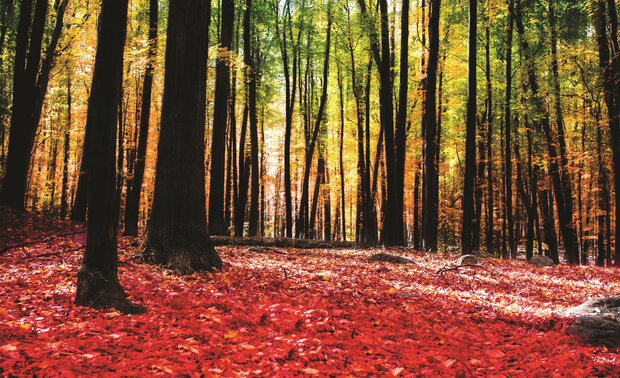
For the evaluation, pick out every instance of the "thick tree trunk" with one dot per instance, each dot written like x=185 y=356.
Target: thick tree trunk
x=467 y=246
x=132 y=207
x=177 y=232
x=393 y=229
x=97 y=283
x=431 y=172
x=217 y=225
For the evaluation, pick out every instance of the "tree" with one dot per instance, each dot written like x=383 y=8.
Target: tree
x=563 y=199
x=217 y=225
x=97 y=282
x=512 y=248
x=251 y=85
x=177 y=231
x=301 y=224
x=610 y=69
x=132 y=207
x=401 y=118
x=467 y=245
x=431 y=170
x=31 y=74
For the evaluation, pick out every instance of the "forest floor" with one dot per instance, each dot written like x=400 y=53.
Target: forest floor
x=287 y=311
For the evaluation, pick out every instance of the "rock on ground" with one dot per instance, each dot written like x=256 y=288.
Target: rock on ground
x=390 y=258
x=540 y=260
x=597 y=321
x=467 y=260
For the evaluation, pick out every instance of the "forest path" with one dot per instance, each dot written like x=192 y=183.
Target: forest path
x=315 y=312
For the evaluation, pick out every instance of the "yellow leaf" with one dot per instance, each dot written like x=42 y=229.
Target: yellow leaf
x=231 y=334
x=310 y=371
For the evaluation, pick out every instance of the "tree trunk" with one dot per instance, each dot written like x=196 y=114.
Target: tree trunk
x=217 y=225
x=467 y=245
x=431 y=175
x=132 y=207
x=488 y=117
x=512 y=247
x=177 y=233
x=66 y=148
x=97 y=283
x=251 y=82
x=609 y=69
x=244 y=172
x=30 y=80
x=401 y=121
x=341 y=155
x=393 y=215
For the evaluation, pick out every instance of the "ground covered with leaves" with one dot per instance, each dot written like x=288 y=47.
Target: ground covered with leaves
x=281 y=312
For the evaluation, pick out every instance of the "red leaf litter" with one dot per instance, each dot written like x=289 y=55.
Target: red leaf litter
x=301 y=312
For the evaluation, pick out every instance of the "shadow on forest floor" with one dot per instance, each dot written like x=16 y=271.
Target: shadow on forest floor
x=290 y=311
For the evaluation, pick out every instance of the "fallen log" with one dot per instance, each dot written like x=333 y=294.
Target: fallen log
x=280 y=242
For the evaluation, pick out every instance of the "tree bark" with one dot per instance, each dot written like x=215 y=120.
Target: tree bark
x=30 y=80
x=251 y=82
x=177 y=234
x=132 y=207
x=512 y=247
x=217 y=225
x=431 y=175
x=467 y=246
x=401 y=119
x=97 y=282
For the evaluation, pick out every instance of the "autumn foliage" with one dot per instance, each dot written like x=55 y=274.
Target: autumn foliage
x=290 y=311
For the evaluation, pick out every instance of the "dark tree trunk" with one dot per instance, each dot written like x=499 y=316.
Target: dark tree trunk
x=430 y=189
x=244 y=174
x=251 y=82
x=177 y=232
x=67 y=144
x=371 y=233
x=290 y=105
x=467 y=245
x=488 y=117
x=132 y=207
x=97 y=283
x=30 y=79
x=512 y=247
x=551 y=238
x=603 y=200
x=217 y=226
x=609 y=69
x=401 y=121
x=341 y=156
x=563 y=202
x=416 y=205
x=393 y=229
x=478 y=192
